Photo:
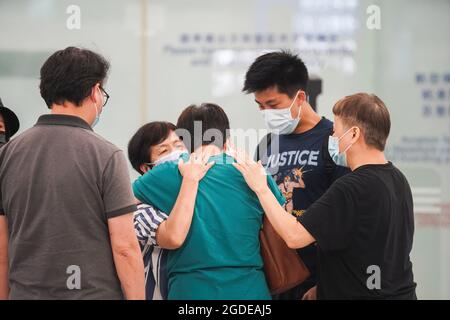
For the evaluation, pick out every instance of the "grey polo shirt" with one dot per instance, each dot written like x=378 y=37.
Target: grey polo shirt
x=59 y=184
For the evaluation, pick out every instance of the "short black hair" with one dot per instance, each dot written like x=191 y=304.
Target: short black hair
x=281 y=69
x=214 y=122
x=147 y=136
x=70 y=74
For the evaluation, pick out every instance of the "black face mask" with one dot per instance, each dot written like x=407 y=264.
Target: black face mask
x=3 y=139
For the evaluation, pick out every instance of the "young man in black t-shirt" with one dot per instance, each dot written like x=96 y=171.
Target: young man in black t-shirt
x=364 y=223
x=296 y=151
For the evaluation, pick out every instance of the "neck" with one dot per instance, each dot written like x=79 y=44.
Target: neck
x=367 y=155
x=70 y=109
x=209 y=149
x=308 y=119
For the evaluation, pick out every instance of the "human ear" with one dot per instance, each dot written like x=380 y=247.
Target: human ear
x=356 y=133
x=301 y=98
x=144 y=168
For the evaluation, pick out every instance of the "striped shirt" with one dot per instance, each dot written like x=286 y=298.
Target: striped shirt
x=147 y=219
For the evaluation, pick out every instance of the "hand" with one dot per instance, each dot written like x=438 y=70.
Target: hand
x=196 y=167
x=253 y=172
x=311 y=294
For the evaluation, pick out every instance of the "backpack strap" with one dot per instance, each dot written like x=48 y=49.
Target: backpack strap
x=263 y=145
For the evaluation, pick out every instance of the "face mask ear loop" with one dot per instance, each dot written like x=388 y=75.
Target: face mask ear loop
x=96 y=111
x=292 y=104
x=347 y=147
x=345 y=133
x=300 y=111
x=343 y=136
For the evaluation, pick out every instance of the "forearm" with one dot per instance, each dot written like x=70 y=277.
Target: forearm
x=4 y=287
x=130 y=270
x=172 y=233
x=286 y=225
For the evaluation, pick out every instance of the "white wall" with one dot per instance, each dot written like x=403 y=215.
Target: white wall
x=413 y=39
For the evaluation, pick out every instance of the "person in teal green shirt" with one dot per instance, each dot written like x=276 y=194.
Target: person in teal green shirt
x=220 y=258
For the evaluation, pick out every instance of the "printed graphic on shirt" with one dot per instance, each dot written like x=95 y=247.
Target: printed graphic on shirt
x=288 y=181
x=293 y=158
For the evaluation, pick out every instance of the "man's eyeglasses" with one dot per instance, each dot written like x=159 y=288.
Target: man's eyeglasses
x=106 y=95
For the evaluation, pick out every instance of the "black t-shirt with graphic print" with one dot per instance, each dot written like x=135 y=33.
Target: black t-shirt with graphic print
x=364 y=226
x=303 y=170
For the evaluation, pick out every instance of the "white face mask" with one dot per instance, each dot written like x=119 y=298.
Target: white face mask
x=340 y=158
x=171 y=157
x=280 y=120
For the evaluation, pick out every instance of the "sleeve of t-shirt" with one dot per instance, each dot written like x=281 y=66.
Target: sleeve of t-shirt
x=331 y=220
x=275 y=190
x=159 y=187
x=147 y=220
x=117 y=195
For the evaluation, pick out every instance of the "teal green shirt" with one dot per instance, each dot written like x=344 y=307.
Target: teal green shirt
x=220 y=258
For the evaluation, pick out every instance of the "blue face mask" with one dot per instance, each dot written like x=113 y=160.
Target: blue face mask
x=280 y=120
x=97 y=118
x=97 y=115
x=340 y=158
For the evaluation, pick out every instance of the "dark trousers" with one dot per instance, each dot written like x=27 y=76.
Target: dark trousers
x=297 y=292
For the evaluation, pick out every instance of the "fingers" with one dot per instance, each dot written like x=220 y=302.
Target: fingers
x=206 y=155
x=242 y=168
x=230 y=145
x=201 y=158
x=231 y=151
x=246 y=157
x=194 y=158
x=261 y=167
x=238 y=167
x=197 y=158
x=310 y=294
x=180 y=163
x=209 y=165
x=240 y=155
